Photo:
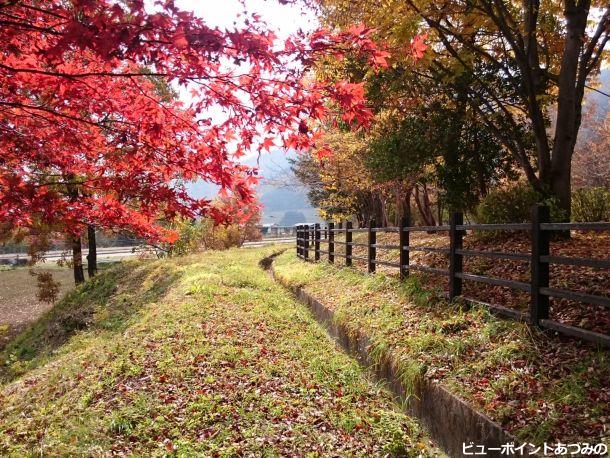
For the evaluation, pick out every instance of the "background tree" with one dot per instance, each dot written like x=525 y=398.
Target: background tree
x=339 y=184
x=526 y=64
x=545 y=52
x=592 y=156
x=426 y=141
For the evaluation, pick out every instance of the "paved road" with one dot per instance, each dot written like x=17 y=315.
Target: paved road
x=116 y=253
x=269 y=241
x=103 y=254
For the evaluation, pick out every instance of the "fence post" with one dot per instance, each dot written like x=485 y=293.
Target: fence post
x=317 y=242
x=306 y=241
x=403 y=237
x=301 y=242
x=298 y=235
x=348 y=241
x=455 y=259
x=539 y=306
x=372 y=252
x=331 y=242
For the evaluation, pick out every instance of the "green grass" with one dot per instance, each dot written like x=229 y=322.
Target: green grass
x=540 y=388
x=203 y=355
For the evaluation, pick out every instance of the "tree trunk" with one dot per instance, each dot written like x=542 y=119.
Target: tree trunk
x=377 y=213
x=92 y=255
x=423 y=205
x=569 y=107
x=373 y=208
x=77 y=260
x=383 y=213
x=403 y=204
x=439 y=211
x=407 y=211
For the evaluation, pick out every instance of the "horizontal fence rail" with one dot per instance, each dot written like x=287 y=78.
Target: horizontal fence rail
x=539 y=259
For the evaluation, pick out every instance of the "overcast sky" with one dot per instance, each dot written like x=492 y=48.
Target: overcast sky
x=283 y=19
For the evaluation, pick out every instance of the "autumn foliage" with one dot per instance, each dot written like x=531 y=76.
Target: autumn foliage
x=92 y=132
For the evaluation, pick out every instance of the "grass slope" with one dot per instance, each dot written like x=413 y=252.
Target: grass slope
x=203 y=355
x=538 y=387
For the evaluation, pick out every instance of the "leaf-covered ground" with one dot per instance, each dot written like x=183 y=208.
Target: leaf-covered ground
x=537 y=386
x=203 y=355
x=581 y=279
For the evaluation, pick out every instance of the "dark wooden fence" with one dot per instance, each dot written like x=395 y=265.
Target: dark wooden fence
x=310 y=237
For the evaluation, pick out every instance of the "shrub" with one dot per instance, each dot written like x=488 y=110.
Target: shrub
x=198 y=235
x=591 y=204
x=513 y=204
x=507 y=204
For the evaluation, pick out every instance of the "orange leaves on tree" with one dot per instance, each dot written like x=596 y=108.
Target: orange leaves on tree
x=323 y=153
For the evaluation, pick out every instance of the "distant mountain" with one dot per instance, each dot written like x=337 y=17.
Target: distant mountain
x=283 y=198
x=281 y=195
x=291 y=218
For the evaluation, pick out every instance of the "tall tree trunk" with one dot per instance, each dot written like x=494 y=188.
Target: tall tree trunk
x=374 y=208
x=569 y=106
x=92 y=255
x=407 y=210
x=77 y=260
x=377 y=212
x=75 y=241
x=383 y=213
x=439 y=211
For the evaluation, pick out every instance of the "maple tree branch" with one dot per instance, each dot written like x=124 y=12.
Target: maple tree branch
x=26 y=26
x=514 y=145
x=83 y=74
x=446 y=31
x=528 y=65
x=42 y=10
x=50 y=111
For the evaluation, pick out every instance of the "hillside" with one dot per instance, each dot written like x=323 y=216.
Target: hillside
x=279 y=192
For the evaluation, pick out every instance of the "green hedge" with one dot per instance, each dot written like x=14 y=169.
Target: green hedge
x=591 y=205
x=513 y=204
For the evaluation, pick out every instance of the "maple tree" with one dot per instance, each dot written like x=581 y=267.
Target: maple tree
x=91 y=136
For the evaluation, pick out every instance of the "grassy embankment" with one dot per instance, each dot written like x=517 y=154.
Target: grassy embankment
x=199 y=355
x=540 y=388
